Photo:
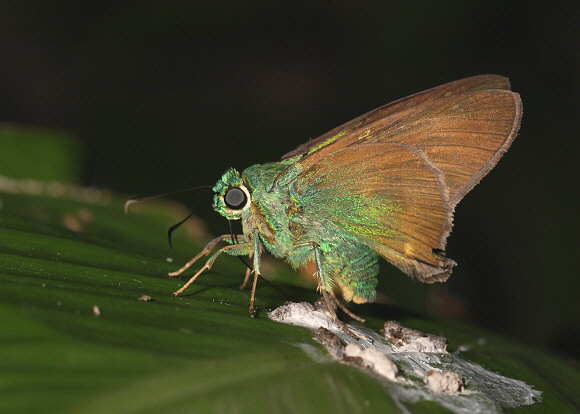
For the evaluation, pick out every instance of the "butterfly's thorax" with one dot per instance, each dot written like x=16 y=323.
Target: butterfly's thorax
x=290 y=228
x=270 y=214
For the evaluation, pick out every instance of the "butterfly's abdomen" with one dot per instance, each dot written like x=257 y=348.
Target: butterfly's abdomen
x=353 y=267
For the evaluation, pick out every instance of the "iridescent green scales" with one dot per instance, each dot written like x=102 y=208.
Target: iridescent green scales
x=289 y=221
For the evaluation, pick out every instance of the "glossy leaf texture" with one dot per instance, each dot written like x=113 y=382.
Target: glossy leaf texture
x=75 y=338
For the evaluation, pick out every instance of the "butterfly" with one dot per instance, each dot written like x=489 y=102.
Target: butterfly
x=382 y=185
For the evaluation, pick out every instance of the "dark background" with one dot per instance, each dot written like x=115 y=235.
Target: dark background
x=167 y=95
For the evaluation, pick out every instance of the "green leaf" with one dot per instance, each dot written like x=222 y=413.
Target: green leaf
x=39 y=154
x=75 y=336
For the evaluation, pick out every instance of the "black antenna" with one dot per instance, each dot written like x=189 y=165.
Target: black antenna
x=146 y=198
x=176 y=226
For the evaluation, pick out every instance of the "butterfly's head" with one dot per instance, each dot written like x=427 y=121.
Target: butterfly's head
x=231 y=196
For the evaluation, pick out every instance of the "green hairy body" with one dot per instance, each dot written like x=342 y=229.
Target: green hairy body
x=293 y=227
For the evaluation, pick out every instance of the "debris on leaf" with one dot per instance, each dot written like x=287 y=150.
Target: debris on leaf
x=444 y=382
x=411 y=365
x=352 y=354
x=411 y=340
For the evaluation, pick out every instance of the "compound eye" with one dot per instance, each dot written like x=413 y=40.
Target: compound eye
x=235 y=198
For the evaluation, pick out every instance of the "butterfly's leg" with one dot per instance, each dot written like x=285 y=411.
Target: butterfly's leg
x=248 y=273
x=344 y=308
x=241 y=249
x=325 y=293
x=256 y=270
x=206 y=250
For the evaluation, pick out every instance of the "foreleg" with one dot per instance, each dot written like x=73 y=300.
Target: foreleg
x=234 y=249
x=206 y=250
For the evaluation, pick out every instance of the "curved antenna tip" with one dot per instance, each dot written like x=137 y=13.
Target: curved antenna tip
x=139 y=199
x=128 y=203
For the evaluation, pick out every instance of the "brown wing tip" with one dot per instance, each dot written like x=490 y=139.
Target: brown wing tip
x=428 y=273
